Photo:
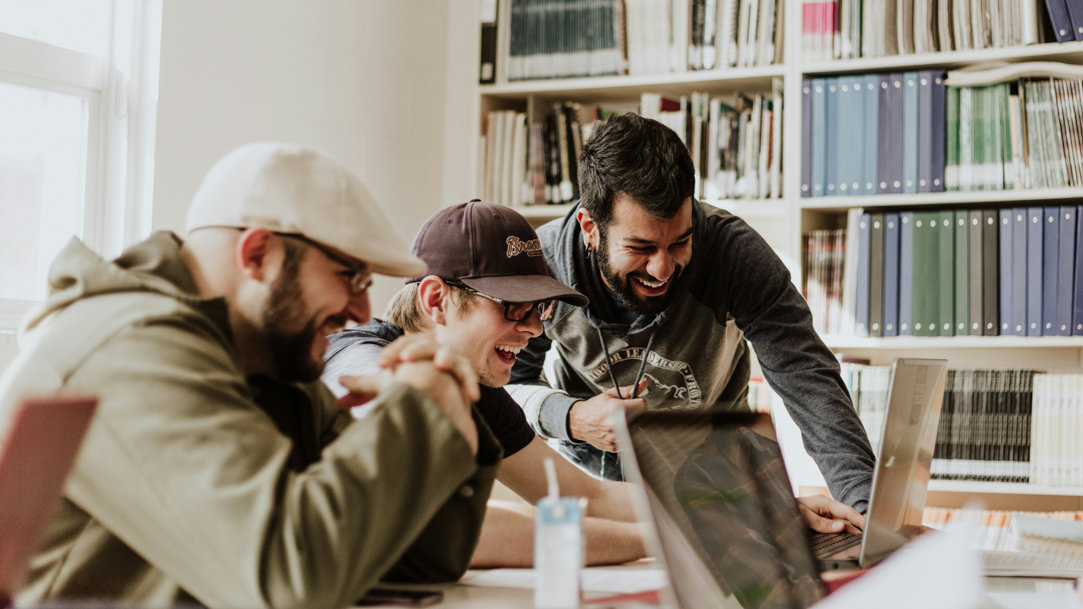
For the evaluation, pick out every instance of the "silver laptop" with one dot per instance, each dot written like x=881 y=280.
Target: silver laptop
x=729 y=532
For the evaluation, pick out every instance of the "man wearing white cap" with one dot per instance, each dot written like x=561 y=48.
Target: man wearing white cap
x=219 y=469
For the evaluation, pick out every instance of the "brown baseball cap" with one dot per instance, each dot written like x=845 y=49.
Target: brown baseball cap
x=492 y=249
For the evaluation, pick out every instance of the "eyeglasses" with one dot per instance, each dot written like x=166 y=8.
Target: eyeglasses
x=515 y=311
x=359 y=278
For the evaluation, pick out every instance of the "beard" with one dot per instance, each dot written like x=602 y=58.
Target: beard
x=290 y=349
x=621 y=284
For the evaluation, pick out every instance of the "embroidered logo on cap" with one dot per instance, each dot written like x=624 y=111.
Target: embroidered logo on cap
x=517 y=246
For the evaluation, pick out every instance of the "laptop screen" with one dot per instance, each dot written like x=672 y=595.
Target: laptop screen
x=729 y=529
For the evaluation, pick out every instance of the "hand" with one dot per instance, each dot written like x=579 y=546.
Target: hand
x=825 y=515
x=591 y=420
x=417 y=348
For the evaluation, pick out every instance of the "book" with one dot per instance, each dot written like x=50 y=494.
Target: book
x=926 y=295
x=876 y=274
x=806 y=137
x=1075 y=17
x=487 y=17
x=937 y=145
x=834 y=127
x=910 y=128
x=1050 y=271
x=1018 y=321
x=925 y=131
x=1058 y=17
x=819 y=137
x=989 y=275
x=891 y=274
x=962 y=272
x=946 y=273
x=1065 y=271
x=870 y=98
x=906 y=273
x=1077 y=300
x=890 y=154
x=974 y=241
x=1005 y=249
x=1035 y=253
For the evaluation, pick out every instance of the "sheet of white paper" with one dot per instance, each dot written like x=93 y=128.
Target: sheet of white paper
x=622 y=579
x=935 y=571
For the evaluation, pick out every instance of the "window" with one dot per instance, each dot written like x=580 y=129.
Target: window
x=78 y=79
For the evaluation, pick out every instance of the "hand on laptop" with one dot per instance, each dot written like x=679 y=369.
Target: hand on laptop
x=591 y=420
x=825 y=515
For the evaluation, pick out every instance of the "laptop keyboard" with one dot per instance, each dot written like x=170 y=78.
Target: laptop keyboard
x=826 y=544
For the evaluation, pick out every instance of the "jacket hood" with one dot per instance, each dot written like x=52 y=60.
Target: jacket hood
x=154 y=265
x=576 y=267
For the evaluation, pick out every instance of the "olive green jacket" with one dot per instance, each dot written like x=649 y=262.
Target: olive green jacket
x=185 y=489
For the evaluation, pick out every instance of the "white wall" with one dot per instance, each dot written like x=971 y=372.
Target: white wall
x=363 y=80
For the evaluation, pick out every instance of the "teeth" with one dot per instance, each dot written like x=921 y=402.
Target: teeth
x=511 y=350
x=651 y=285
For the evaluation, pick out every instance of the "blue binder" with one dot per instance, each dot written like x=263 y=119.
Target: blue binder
x=946 y=260
x=1062 y=23
x=870 y=132
x=1050 y=273
x=910 y=132
x=891 y=274
x=851 y=139
x=962 y=272
x=819 y=136
x=925 y=131
x=1065 y=271
x=1006 y=247
x=1075 y=17
x=1077 y=308
x=938 y=116
x=1035 y=251
x=1018 y=321
x=861 y=311
x=834 y=128
x=906 y=273
x=806 y=137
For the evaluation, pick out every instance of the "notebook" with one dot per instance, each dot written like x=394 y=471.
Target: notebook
x=729 y=532
x=37 y=450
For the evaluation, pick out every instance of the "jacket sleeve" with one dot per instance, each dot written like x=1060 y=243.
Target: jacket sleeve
x=546 y=409
x=187 y=471
x=798 y=366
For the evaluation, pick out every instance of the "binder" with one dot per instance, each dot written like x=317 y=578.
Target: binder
x=851 y=139
x=910 y=132
x=1050 y=273
x=1077 y=301
x=1058 y=17
x=1035 y=250
x=946 y=261
x=834 y=128
x=890 y=117
x=1075 y=17
x=906 y=273
x=870 y=98
x=876 y=274
x=925 y=131
x=891 y=274
x=894 y=133
x=1005 y=249
x=938 y=117
x=487 y=68
x=962 y=272
x=861 y=309
x=819 y=136
x=926 y=299
x=989 y=275
x=1018 y=322
x=975 y=273
x=1065 y=271
x=806 y=137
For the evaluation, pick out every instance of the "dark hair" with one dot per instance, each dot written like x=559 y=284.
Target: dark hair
x=637 y=157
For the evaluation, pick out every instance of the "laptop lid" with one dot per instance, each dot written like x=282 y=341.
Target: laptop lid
x=728 y=530
x=37 y=449
x=901 y=479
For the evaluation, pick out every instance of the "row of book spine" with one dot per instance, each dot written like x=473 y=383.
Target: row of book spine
x=1019 y=135
x=949 y=272
x=850 y=29
x=735 y=144
x=995 y=530
x=540 y=39
x=1015 y=426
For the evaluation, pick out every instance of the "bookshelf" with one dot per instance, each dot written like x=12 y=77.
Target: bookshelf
x=785 y=219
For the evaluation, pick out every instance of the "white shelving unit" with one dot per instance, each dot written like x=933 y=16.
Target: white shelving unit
x=783 y=221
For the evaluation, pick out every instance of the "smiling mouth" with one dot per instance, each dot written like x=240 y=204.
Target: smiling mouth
x=506 y=353
x=651 y=286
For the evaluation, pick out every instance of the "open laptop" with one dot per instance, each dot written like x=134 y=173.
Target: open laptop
x=729 y=532
x=38 y=446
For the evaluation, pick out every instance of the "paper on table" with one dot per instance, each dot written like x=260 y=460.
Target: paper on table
x=948 y=570
x=624 y=579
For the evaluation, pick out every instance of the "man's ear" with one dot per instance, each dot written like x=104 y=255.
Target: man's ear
x=256 y=250
x=588 y=228
x=435 y=299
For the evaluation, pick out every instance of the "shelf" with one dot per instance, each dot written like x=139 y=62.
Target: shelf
x=1003 y=488
x=1067 y=51
x=544 y=211
x=610 y=87
x=983 y=198
x=925 y=343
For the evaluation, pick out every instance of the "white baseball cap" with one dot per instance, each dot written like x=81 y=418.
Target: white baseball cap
x=295 y=190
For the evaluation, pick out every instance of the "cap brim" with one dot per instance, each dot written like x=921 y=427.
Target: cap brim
x=397 y=266
x=526 y=288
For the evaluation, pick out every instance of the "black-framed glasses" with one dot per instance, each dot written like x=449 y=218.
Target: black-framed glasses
x=359 y=279
x=515 y=311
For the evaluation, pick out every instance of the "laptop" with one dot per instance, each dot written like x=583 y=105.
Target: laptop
x=729 y=532
x=38 y=447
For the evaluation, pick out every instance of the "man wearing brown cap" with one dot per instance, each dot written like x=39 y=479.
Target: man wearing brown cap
x=219 y=469
x=486 y=294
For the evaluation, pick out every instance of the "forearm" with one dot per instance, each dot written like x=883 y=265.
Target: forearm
x=507 y=538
